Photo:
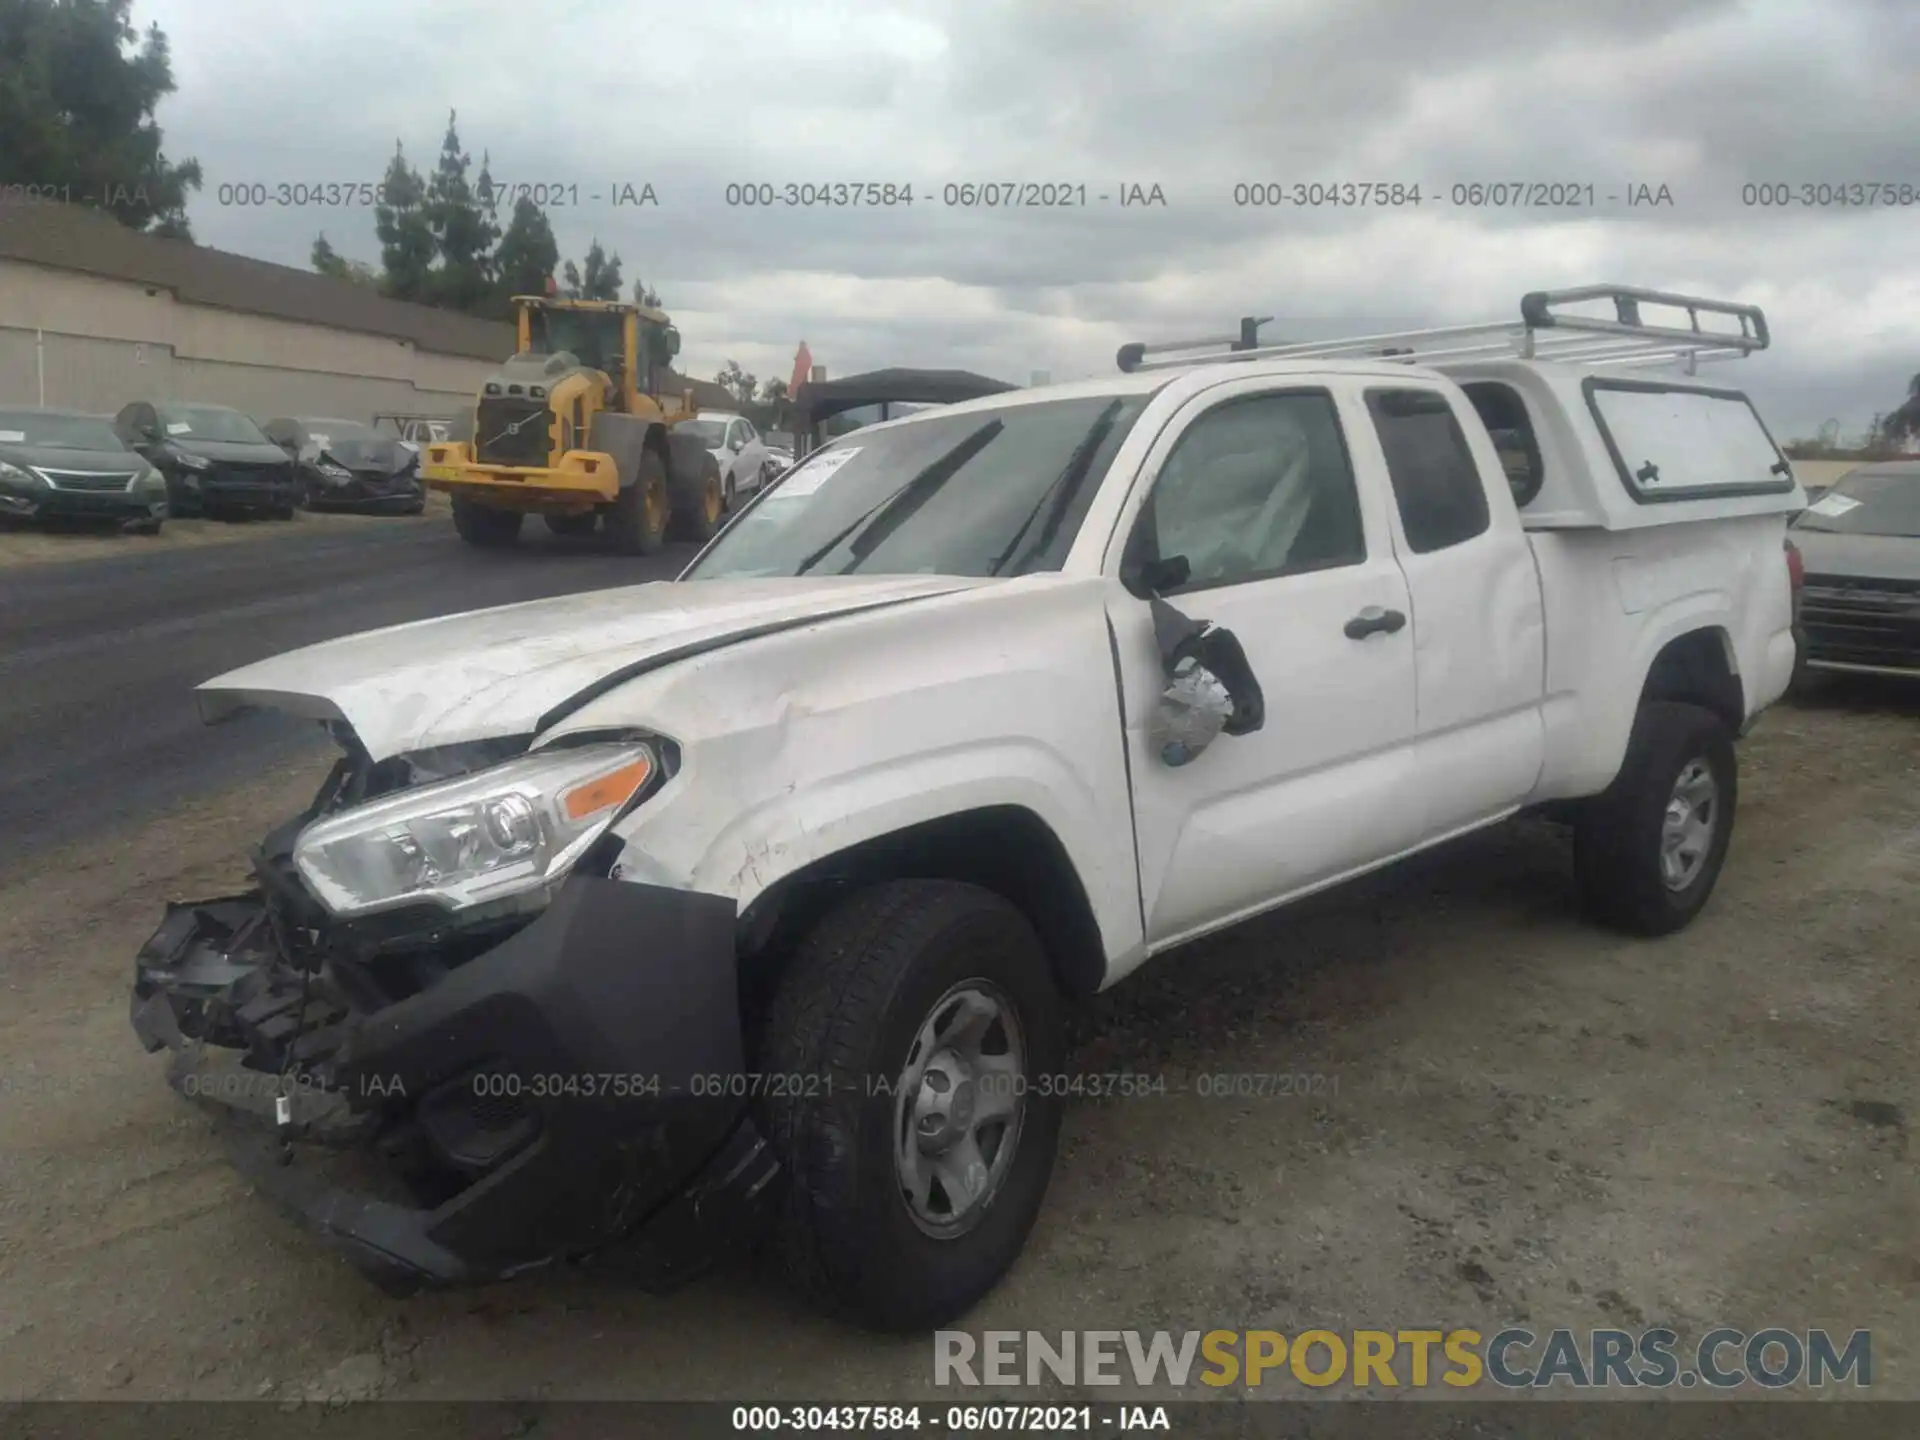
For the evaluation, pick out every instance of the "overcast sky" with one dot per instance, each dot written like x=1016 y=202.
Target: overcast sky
x=1700 y=96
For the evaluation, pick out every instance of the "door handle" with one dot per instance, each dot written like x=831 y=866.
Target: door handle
x=1374 y=620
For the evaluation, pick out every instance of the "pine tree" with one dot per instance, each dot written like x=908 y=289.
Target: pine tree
x=602 y=277
x=526 y=256
x=407 y=243
x=461 y=234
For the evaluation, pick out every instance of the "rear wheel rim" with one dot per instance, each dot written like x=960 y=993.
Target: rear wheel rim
x=958 y=1109
x=655 y=502
x=716 y=500
x=1687 y=828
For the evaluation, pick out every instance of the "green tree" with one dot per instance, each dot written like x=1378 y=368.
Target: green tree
x=463 y=239
x=740 y=382
x=330 y=262
x=773 y=396
x=1904 y=422
x=570 y=281
x=526 y=256
x=601 y=280
x=645 y=294
x=76 y=110
x=401 y=220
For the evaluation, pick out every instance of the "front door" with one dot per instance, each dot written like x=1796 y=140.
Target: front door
x=1252 y=488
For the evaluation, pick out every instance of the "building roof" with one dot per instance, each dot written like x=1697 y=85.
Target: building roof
x=77 y=238
x=935 y=387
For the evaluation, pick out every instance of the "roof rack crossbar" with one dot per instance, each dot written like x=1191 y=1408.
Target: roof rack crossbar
x=1543 y=333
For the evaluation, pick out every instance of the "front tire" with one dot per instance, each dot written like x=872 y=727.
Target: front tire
x=637 y=523
x=917 y=1144
x=490 y=529
x=699 y=502
x=1648 y=850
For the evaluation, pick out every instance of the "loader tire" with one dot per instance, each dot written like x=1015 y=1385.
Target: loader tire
x=486 y=527
x=699 y=501
x=637 y=523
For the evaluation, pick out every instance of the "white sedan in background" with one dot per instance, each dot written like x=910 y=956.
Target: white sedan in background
x=745 y=464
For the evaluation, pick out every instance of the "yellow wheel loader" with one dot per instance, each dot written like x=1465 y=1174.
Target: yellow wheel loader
x=575 y=428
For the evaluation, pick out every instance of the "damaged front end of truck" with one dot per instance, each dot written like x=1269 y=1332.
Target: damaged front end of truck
x=440 y=1031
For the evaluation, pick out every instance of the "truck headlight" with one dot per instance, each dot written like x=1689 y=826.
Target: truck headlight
x=191 y=462
x=329 y=470
x=511 y=831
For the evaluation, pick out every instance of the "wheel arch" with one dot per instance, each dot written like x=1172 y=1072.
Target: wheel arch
x=1005 y=848
x=1699 y=667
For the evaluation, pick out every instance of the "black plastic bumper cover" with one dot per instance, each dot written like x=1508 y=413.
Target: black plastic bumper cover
x=607 y=1028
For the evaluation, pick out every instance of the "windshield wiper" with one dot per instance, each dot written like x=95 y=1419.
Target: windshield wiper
x=896 y=508
x=1055 y=499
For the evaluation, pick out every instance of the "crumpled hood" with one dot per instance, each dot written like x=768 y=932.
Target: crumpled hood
x=497 y=672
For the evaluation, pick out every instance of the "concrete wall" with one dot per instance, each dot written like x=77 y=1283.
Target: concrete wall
x=105 y=342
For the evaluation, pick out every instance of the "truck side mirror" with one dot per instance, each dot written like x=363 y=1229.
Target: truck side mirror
x=1210 y=688
x=673 y=341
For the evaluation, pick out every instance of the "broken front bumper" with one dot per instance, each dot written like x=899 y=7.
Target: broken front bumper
x=576 y=1090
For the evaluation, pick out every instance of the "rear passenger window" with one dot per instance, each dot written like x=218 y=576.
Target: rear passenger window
x=1435 y=481
x=1504 y=414
x=1257 y=487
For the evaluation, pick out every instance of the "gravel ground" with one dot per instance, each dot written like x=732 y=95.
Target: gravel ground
x=1520 y=1120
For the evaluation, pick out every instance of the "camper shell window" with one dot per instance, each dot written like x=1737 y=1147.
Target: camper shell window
x=1677 y=442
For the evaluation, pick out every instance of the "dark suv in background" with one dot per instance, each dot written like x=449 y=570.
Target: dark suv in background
x=216 y=460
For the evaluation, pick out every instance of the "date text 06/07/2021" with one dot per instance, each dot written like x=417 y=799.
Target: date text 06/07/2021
x=910 y=1417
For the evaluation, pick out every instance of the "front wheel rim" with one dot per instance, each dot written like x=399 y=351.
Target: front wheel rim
x=1687 y=828
x=958 y=1109
x=656 y=507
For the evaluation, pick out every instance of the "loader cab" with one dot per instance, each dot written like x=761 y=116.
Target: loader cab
x=627 y=343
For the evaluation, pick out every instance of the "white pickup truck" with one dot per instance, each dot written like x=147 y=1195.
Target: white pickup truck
x=636 y=927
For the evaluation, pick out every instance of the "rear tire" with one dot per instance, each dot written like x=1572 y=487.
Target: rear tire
x=637 y=523
x=1648 y=849
x=572 y=525
x=852 y=1018
x=488 y=528
x=699 y=502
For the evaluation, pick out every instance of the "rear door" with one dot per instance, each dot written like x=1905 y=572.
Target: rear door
x=1252 y=487
x=1479 y=630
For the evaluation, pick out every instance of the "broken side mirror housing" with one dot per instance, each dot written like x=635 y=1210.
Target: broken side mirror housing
x=1210 y=689
x=1192 y=710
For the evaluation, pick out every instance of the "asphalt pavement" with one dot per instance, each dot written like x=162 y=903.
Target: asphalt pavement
x=98 y=658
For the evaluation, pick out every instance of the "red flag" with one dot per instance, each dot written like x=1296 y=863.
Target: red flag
x=802 y=368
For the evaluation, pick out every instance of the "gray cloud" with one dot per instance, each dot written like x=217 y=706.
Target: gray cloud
x=1703 y=96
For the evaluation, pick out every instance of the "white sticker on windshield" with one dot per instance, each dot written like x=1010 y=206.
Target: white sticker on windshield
x=179 y=427
x=12 y=437
x=810 y=476
x=1833 y=506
